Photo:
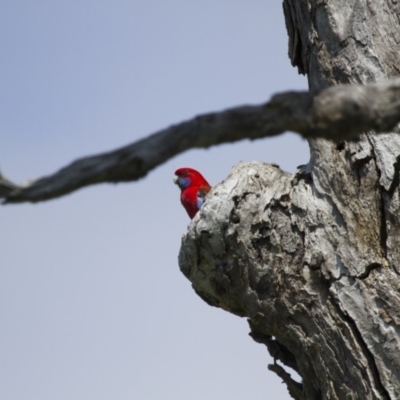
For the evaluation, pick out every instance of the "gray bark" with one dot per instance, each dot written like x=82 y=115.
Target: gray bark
x=335 y=113
x=313 y=259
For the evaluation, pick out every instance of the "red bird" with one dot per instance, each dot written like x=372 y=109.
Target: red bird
x=193 y=189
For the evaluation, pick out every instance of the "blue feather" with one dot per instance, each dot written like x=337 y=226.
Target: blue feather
x=183 y=182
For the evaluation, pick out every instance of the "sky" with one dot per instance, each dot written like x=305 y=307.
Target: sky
x=93 y=305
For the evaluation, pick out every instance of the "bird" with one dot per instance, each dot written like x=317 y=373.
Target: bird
x=193 y=187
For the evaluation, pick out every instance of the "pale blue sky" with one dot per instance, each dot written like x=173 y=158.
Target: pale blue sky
x=92 y=303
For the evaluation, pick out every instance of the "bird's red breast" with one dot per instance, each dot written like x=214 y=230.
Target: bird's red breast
x=193 y=187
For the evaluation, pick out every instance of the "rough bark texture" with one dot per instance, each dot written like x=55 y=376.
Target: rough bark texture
x=313 y=259
x=334 y=113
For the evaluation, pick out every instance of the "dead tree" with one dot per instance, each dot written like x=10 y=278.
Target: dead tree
x=312 y=259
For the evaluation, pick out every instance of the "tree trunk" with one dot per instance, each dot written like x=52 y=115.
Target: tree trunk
x=312 y=259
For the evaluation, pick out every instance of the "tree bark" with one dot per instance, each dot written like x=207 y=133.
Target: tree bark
x=313 y=259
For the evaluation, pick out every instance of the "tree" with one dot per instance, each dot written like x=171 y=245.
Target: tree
x=311 y=258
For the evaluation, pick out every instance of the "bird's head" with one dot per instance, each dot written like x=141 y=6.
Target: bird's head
x=185 y=177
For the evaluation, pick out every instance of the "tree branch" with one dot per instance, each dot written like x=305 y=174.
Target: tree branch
x=335 y=113
x=276 y=350
x=295 y=388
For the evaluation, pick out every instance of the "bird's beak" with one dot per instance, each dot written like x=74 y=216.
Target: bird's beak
x=176 y=179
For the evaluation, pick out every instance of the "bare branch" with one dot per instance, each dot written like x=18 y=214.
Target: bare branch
x=6 y=187
x=295 y=388
x=335 y=113
x=276 y=350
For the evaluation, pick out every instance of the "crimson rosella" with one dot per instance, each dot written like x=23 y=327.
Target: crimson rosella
x=193 y=189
